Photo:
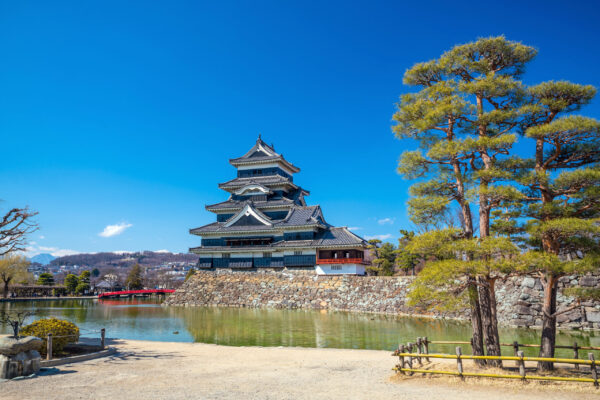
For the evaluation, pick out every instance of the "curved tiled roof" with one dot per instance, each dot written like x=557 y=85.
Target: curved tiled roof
x=330 y=237
x=262 y=152
x=297 y=216
x=265 y=180
x=297 y=198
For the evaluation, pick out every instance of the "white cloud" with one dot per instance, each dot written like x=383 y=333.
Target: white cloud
x=162 y=251
x=122 y=252
x=354 y=228
x=113 y=230
x=380 y=237
x=42 y=237
x=385 y=221
x=64 y=252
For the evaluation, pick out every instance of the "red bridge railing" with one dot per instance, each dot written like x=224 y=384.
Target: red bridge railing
x=340 y=261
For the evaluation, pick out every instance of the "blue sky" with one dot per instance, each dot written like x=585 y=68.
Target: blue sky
x=117 y=118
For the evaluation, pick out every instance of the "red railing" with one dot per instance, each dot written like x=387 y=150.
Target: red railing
x=127 y=292
x=340 y=261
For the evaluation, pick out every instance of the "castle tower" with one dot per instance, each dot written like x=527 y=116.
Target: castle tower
x=266 y=223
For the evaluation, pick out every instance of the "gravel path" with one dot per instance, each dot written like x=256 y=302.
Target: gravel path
x=158 y=370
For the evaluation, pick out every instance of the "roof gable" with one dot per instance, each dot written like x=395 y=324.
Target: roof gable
x=249 y=216
x=260 y=149
x=262 y=153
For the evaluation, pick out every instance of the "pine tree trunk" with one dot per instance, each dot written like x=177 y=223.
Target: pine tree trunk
x=489 y=322
x=548 y=323
x=477 y=338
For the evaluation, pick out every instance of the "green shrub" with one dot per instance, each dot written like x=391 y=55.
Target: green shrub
x=63 y=332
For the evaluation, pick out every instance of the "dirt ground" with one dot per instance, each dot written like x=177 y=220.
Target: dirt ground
x=158 y=370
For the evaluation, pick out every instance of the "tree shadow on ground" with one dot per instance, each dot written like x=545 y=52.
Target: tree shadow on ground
x=125 y=355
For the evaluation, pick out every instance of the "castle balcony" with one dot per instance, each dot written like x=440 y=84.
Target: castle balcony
x=340 y=257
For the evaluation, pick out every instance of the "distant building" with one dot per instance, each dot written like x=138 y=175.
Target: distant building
x=266 y=223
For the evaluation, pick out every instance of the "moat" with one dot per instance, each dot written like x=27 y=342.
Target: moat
x=146 y=319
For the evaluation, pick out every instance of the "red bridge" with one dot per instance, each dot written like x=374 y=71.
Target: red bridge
x=135 y=292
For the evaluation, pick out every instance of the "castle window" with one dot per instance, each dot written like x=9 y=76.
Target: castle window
x=267 y=255
x=225 y=255
x=336 y=267
x=297 y=253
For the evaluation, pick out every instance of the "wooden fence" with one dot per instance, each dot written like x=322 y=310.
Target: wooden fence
x=407 y=357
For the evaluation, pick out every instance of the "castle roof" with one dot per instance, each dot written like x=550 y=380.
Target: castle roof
x=262 y=153
x=331 y=237
x=297 y=198
x=266 y=180
x=250 y=219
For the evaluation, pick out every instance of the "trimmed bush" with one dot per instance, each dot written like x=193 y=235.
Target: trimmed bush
x=63 y=332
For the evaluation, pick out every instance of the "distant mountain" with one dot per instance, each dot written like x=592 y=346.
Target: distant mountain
x=43 y=258
x=124 y=259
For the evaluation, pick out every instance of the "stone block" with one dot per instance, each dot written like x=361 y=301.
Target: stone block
x=592 y=316
x=521 y=322
x=528 y=282
x=589 y=281
x=524 y=310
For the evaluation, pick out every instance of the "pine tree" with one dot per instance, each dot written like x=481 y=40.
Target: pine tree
x=385 y=258
x=561 y=196
x=463 y=116
x=191 y=272
x=83 y=282
x=71 y=282
x=469 y=112
x=46 y=279
x=406 y=260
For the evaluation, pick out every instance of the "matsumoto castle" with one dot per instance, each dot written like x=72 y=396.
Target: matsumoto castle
x=266 y=223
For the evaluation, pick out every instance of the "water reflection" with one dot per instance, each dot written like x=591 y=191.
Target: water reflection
x=145 y=319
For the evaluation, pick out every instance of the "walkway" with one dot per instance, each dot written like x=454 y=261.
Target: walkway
x=156 y=370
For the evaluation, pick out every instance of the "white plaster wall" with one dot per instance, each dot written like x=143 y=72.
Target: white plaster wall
x=347 y=269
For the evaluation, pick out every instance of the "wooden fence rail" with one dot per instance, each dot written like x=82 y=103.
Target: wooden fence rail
x=575 y=345
x=406 y=359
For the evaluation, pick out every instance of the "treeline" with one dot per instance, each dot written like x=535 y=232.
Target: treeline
x=124 y=260
x=527 y=210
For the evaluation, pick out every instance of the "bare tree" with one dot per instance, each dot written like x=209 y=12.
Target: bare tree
x=15 y=320
x=15 y=225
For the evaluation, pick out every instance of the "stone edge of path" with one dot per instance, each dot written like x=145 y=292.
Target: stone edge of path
x=80 y=358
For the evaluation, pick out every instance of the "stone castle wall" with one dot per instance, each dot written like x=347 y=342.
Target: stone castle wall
x=519 y=298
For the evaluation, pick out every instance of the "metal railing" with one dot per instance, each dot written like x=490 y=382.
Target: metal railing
x=50 y=338
x=340 y=261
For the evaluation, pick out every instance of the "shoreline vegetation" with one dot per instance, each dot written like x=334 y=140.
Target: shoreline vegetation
x=46 y=298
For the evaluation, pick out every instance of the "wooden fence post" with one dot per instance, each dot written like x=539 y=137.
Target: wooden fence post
x=593 y=369
x=401 y=357
x=516 y=351
x=419 y=345
x=49 y=347
x=410 y=359
x=521 y=364
x=426 y=345
x=102 y=338
x=576 y=354
x=459 y=362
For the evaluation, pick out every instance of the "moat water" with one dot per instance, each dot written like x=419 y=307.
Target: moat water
x=146 y=319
